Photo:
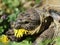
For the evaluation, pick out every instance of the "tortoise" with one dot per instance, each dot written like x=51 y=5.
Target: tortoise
x=37 y=21
x=32 y=21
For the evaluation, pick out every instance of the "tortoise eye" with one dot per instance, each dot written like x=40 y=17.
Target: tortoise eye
x=26 y=22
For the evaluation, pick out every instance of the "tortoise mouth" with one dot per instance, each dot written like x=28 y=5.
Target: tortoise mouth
x=22 y=31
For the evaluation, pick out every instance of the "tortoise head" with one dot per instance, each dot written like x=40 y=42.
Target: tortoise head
x=28 y=20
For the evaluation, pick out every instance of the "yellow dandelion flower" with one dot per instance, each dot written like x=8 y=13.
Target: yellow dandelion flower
x=15 y=32
x=4 y=39
x=20 y=32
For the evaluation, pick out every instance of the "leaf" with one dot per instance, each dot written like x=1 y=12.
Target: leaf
x=1 y=20
x=12 y=17
x=37 y=1
x=1 y=29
